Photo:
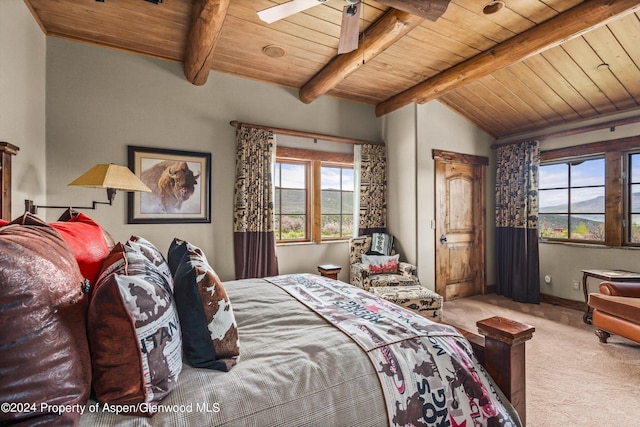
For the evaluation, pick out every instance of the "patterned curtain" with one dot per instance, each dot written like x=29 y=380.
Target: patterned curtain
x=253 y=233
x=517 y=222
x=373 y=189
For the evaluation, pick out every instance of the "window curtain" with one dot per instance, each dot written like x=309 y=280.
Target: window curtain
x=371 y=169
x=253 y=230
x=517 y=222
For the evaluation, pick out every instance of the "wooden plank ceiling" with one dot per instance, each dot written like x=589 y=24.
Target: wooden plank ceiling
x=531 y=65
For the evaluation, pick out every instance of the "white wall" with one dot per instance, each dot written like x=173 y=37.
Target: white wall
x=22 y=99
x=101 y=100
x=400 y=133
x=411 y=134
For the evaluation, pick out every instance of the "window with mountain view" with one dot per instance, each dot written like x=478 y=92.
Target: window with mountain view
x=572 y=200
x=591 y=193
x=337 y=201
x=290 y=201
x=313 y=195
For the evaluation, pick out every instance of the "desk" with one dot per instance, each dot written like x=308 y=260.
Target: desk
x=329 y=270
x=604 y=275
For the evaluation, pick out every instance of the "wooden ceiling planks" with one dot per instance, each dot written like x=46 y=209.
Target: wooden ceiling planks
x=145 y=29
x=537 y=87
x=557 y=86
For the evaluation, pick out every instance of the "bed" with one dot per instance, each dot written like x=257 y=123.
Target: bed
x=308 y=350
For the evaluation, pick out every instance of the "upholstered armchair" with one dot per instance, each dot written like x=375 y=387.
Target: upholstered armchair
x=616 y=310
x=363 y=275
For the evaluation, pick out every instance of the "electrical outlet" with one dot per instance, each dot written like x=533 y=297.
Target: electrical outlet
x=576 y=285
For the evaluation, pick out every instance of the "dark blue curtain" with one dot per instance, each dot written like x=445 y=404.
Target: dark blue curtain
x=517 y=260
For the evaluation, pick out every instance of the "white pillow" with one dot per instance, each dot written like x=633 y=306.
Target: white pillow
x=381 y=263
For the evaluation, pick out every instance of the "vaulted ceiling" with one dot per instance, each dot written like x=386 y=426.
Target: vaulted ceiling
x=530 y=65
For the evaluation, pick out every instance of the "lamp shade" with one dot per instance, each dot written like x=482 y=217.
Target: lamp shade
x=110 y=176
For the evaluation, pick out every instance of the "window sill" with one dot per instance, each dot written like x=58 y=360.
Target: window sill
x=325 y=242
x=587 y=245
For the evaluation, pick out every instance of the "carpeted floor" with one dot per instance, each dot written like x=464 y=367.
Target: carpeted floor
x=572 y=379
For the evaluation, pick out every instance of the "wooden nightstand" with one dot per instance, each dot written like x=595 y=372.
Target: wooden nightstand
x=329 y=270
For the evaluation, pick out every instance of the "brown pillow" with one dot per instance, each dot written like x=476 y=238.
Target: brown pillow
x=44 y=356
x=209 y=329
x=134 y=333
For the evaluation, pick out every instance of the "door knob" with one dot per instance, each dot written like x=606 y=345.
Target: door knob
x=443 y=239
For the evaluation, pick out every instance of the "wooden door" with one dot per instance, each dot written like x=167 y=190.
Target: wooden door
x=6 y=152
x=460 y=224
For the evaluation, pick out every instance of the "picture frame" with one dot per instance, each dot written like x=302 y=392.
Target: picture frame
x=180 y=183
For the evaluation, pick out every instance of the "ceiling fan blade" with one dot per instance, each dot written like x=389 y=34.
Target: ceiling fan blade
x=350 y=28
x=428 y=9
x=281 y=11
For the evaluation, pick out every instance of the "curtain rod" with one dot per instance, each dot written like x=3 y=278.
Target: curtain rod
x=290 y=132
x=612 y=124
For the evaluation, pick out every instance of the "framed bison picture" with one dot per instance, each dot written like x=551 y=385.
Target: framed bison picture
x=180 y=183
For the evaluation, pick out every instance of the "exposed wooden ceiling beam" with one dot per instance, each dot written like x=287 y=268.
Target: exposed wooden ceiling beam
x=432 y=9
x=207 y=19
x=391 y=27
x=572 y=23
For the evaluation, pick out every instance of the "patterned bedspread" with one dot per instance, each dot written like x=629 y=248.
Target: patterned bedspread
x=427 y=370
x=297 y=369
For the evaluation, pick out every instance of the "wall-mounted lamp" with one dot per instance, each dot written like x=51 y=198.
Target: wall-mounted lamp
x=109 y=176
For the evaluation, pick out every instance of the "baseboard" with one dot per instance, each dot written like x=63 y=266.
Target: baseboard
x=563 y=302
x=549 y=299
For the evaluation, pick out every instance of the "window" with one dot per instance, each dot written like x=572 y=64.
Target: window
x=314 y=193
x=290 y=200
x=591 y=193
x=337 y=185
x=634 y=198
x=572 y=200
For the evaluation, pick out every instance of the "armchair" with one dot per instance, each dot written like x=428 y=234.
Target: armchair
x=616 y=310
x=361 y=276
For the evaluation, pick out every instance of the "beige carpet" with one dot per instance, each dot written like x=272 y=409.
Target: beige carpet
x=572 y=379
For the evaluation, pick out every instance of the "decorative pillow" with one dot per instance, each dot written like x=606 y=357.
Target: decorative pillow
x=44 y=355
x=381 y=264
x=3 y=222
x=128 y=260
x=86 y=239
x=69 y=213
x=134 y=333
x=152 y=253
x=209 y=329
x=381 y=244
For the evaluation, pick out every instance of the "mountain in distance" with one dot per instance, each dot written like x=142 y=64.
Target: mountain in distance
x=583 y=208
x=293 y=201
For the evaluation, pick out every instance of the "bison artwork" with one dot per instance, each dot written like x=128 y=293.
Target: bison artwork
x=172 y=183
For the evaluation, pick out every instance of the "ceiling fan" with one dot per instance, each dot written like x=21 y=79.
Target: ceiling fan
x=349 y=30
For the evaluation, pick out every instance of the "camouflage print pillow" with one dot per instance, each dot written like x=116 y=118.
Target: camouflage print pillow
x=209 y=330
x=134 y=334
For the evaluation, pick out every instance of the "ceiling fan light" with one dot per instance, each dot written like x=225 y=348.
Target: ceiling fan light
x=492 y=7
x=352 y=10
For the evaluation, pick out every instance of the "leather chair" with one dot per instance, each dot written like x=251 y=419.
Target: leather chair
x=616 y=310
